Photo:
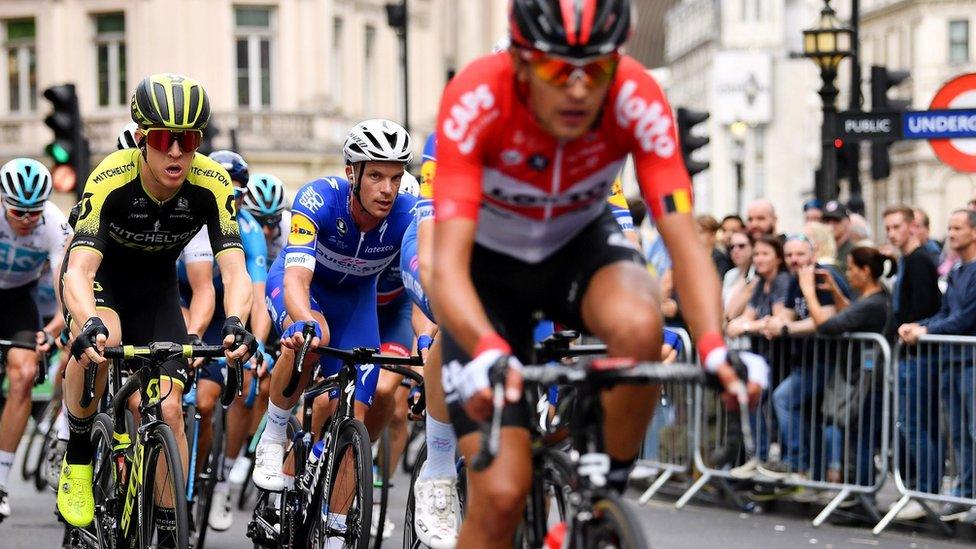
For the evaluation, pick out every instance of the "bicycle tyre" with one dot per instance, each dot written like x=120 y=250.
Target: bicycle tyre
x=48 y=442
x=410 y=540
x=208 y=480
x=38 y=436
x=162 y=443
x=559 y=481
x=104 y=481
x=383 y=468
x=416 y=441
x=614 y=524
x=354 y=439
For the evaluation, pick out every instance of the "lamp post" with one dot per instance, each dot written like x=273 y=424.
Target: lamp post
x=827 y=45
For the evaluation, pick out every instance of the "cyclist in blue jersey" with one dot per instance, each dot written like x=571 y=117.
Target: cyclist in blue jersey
x=344 y=233
x=205 y=316
x=265 y=199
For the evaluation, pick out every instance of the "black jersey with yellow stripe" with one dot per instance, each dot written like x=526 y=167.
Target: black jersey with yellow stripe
x=117 y=217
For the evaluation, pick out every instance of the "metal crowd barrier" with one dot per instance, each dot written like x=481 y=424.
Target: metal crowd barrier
x=819 y=426
x=668 y=444
x=935 y=435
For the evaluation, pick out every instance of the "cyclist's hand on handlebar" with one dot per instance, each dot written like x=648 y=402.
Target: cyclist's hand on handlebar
x=744 y=375
x=292 y=338
x=89 y=345
x=239 y=343
x=44 y=341
x=472 y=382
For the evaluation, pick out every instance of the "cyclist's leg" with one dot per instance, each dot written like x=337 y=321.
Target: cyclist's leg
x=619 y=303
x=20 y=321
x=396 y=338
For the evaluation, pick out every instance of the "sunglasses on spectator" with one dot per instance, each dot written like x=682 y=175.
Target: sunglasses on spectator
x=162 y=139
x=561 y=72
x=739 y=246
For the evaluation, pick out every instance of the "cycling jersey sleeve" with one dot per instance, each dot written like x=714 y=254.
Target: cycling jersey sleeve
x=643 y=115
x=618 y=206
x=300 y=250
x=222 y=227
x=255 y=247
x=198 y=248
x=58 y=233
x=468 y=111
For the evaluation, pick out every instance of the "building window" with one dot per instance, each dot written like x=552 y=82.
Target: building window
x=336 y=65
x=254 y=42
x=369 y=68
x=958 y=41
x=110 y=59
x=21 y=56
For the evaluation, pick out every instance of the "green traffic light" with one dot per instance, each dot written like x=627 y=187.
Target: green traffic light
x=58 y=153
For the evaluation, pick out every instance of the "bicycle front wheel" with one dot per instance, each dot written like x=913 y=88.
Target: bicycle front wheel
x=351 y=492
x=163 y=488
x=207 y=480
x=104 y=481
x=614 y=525
x=382 y=486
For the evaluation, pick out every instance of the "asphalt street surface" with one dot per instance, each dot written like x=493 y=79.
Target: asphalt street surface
x=33 y=525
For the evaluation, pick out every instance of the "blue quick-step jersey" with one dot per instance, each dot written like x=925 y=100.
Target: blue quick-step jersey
x=325 y=239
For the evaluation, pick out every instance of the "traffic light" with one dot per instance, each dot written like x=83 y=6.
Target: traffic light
x=882 y=80
x=69 y=149
x=687 y=120
x=846 y=159
x=396 y=16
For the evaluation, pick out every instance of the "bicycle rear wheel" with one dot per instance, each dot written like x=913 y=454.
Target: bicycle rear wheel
x=207 y=480
x=32 y=465
x=104 y=481
x=410 y=540
x=614 y=525
x=161 y=458
x=558 y=482
x=383 y=490
x=353 y=495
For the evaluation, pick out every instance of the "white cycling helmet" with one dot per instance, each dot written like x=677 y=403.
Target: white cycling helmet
x=26 y=184
x=502 y=44
x=377 y=140
x=127 y=139
x=409 y=185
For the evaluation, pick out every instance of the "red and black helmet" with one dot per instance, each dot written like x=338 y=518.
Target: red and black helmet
x=576 y=29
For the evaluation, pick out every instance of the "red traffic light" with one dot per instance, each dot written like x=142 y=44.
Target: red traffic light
x=838 y=143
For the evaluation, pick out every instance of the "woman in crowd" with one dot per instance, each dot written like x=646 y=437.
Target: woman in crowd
x=737 y=286
x=824 y=245
x=852 y=398
x=769 y=294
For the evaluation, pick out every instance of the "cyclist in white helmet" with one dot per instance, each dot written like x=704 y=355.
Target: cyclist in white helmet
x=33 y=233
x=344 y=232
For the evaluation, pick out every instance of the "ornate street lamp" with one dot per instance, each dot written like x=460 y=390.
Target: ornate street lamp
x=827 y=45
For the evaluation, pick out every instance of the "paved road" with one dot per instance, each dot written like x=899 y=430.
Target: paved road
x=33 y=526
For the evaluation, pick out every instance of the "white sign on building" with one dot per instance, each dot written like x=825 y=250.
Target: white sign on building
x=742 y=82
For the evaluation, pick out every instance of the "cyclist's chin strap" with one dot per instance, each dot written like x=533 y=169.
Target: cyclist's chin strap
x=357 y=184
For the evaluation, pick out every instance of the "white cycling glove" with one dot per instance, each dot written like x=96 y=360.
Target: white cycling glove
x=467 y=380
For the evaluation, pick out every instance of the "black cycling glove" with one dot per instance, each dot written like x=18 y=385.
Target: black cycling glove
x=86 y=339
x=234 y=327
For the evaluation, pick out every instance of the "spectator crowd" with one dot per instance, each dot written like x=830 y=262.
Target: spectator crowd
x=820 y=418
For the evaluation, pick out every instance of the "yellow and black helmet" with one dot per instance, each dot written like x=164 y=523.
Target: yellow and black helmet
x=170 y=101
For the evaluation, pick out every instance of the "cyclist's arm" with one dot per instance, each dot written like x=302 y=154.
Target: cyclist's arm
x=298 y=283
x=79 y=279
x=425 y=254
x=200 y=276
x=422 y=326
x=237 y=284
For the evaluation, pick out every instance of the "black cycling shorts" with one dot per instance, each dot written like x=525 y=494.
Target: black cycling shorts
x=514 y=293
x=19 y=319
x=147 y=300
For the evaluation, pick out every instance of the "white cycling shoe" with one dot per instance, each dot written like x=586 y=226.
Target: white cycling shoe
x=267 y=474
x=435 y=516
x=220 y=518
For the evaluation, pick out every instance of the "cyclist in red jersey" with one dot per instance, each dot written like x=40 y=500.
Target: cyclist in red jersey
x=530 y=141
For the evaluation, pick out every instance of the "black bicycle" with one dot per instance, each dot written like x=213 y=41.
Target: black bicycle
x=305 y=516
x=575 y=482
x=135 y=469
